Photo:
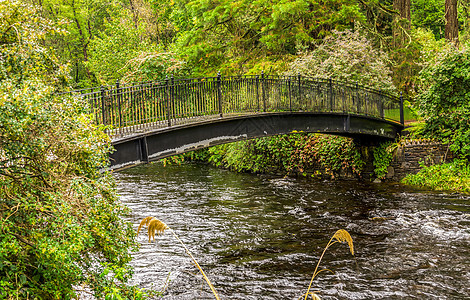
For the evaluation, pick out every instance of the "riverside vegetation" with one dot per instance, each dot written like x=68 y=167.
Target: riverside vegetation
x=61 y=221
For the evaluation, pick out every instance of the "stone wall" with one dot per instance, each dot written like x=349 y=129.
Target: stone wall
x=409 y=154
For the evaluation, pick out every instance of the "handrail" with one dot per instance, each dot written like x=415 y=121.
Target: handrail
x=163 y=103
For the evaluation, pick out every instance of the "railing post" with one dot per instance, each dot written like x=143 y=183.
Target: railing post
x=118 y=96
x=381 y=104
x=257 y=91
x=103 y=109
x=290 y=93
x=263 y=92
x=219 y=93
x=402 y=115
x=358 y=100
x=300 y=90
x=330 y=93
x=168 y=106
x=172 y=96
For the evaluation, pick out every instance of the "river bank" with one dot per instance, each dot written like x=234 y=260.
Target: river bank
x=318 y=156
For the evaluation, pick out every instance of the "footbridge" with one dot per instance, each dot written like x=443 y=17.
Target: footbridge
x=152 y=120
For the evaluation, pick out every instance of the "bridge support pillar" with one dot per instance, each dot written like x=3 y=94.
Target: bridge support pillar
x=144 y=152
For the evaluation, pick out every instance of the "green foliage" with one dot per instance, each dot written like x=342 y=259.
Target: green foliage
x=383 y=155
x=454 y=176
x=313 y=154
x=332 y=155
x=429 y=14
x=233 y=36
x=61 y=223
x=445 y=105
x=119 y=53
x=110 y=40
x=22 y=53
x=347 y=56
x=83 y=20
x=407 y=60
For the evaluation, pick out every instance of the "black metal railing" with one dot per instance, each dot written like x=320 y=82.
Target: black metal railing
x=169 y=102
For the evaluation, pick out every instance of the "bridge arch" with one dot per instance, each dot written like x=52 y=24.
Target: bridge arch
x=160 y=143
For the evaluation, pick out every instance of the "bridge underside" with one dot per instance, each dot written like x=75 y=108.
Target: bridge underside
x=161 y=143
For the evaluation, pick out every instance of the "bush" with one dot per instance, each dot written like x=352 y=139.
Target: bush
x=347 y=56
x=454 y=176
x=61 y=222
x=60 y=219
x=287 y=154
x=383 y=155
x=445 y=105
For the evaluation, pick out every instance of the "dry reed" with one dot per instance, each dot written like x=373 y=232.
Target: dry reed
x=155 y=225
x=340 y=236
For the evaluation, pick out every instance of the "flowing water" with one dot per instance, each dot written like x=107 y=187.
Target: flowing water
x=260 y=237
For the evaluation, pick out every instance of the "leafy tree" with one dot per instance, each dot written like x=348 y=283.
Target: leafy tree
x=61 y=223
x=235 y=36
x=21 y=52
x=119 y=53
x=83 y=20
x=429 y=14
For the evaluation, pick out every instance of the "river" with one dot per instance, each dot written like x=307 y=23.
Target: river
x=260 y=237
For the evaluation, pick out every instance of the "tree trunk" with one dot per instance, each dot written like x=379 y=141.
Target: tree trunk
x=402 y=21
x=403 y=7
x=135 y=14
x=452 y=24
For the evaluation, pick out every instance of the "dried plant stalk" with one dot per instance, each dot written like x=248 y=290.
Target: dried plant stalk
x=340 y=236
x=155 y=225
x=145 y=222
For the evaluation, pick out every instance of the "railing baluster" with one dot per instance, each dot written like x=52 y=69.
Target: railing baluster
x=300 y=91
x=402 y=114
x=103 y=105
x=168 y=102
x=357 y=99
x=263 y=91
x=257 y=93
x=290 y=93
x=330 y=94
x=219 y=93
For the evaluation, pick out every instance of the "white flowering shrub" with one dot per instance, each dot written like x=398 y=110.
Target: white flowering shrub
x=346 y=56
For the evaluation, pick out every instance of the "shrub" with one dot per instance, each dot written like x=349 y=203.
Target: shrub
x=61 y=222
x=383 y=155
x=347 y=56
x=60 y=219
x=454 y=176
x=295 y=154
x=445 y=105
